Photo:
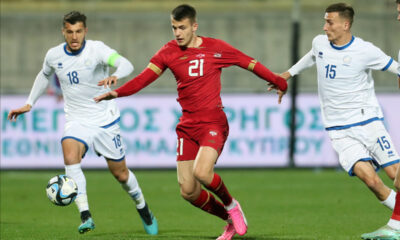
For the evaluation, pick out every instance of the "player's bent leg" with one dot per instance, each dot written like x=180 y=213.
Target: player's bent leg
x=73 y=150
x=366 y=173
x=130 y=184
x=192 y=192
x=391 y=170
x=204 y=172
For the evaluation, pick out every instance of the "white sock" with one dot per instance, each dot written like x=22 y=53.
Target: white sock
x=390 y=200
x=231 y=206
x=395 y=224
x=75 y=172
x=133 y=189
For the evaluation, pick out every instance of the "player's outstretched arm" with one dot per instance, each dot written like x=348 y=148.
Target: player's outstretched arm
x=13 y=115
x=106 y=96
x=147 y=76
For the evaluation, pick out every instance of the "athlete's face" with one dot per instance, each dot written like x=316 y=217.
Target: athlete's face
x=335 y=26
x=74 y=35
x=184 y=32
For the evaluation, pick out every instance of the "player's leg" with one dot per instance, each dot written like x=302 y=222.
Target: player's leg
x=203 y=171
x=192 y=192
x=130 y=184
x=366 y=173
x=109 y=143
x=383 y=150
x=73 y=150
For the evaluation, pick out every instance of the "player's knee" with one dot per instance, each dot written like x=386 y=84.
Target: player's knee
x=202 y=176
x=189 y=195
x=121 y=175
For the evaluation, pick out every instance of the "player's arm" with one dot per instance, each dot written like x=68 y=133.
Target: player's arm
x=305 y=62
x=147 y=76
x=39 y=87
x=124 y=68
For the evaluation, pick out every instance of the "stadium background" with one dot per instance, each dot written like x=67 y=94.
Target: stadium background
x=137 y=29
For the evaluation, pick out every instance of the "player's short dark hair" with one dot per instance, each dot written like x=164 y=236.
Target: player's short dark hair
x=344 y=10
x=184 y=11
x=398 y=1
x=74 y=17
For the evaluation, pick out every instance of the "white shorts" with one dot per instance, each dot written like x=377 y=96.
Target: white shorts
x=369 y=142
x=105 y=141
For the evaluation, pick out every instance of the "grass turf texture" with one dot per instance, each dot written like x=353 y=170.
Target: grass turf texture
x=279 y=204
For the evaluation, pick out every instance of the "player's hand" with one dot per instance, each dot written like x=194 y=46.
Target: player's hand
x=106 y=96
x=12 y=116
x=107 y=82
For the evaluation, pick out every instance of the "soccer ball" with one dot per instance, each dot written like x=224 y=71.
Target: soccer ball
x=61 y=190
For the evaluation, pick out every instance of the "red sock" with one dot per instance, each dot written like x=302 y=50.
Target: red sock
x=218 y=187
x=396 y=210
x=207 y=202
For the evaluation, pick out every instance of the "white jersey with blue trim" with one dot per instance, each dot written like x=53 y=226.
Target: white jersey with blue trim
x=345 y=84
x=79 y=74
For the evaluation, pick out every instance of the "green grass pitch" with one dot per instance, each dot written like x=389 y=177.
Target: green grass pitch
x=279 y=204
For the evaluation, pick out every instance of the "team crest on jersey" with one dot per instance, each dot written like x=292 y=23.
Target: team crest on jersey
x=217 y=55
x=213 y=133
x=59 y=65
x=320 y=54
x=347 y=60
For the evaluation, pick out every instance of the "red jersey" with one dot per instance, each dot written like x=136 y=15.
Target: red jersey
x=198 y=72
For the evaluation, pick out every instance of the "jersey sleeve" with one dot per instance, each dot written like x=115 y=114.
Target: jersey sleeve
x=229 y=56
x=377 y=59
x=158 y=61
x=47 y=70
x=106 y=55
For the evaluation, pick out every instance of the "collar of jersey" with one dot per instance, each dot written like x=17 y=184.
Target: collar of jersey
x=74 y=53
x=343 y=47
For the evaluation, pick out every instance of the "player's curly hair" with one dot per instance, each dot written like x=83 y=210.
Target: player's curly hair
x=184 y=11
x=344 y=10
x=74 y=17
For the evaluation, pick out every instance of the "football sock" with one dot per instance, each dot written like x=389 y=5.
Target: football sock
x=133 y=189
x=145 y=214
x=85 y=215
x=75 y=172
x=207 y=202
x=218 y=187
x=394 y=221
x=390 y=200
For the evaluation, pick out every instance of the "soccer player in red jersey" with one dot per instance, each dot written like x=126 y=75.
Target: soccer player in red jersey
x=196 y=63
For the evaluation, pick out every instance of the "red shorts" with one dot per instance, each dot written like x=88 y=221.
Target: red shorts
x=205 y=128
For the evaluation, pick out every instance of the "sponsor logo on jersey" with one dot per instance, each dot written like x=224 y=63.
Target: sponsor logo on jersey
x=213 y=133
x=59 y=65
x=320 y=54
x=184 y=57
x=217 y=55
x=200 y=55
x=347 y=60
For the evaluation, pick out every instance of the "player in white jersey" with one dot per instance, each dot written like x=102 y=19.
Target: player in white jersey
x=391 y=231
x=350 y=111
x=82 y=66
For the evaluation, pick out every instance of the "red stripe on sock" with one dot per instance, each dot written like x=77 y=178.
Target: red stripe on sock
x=396 y=210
